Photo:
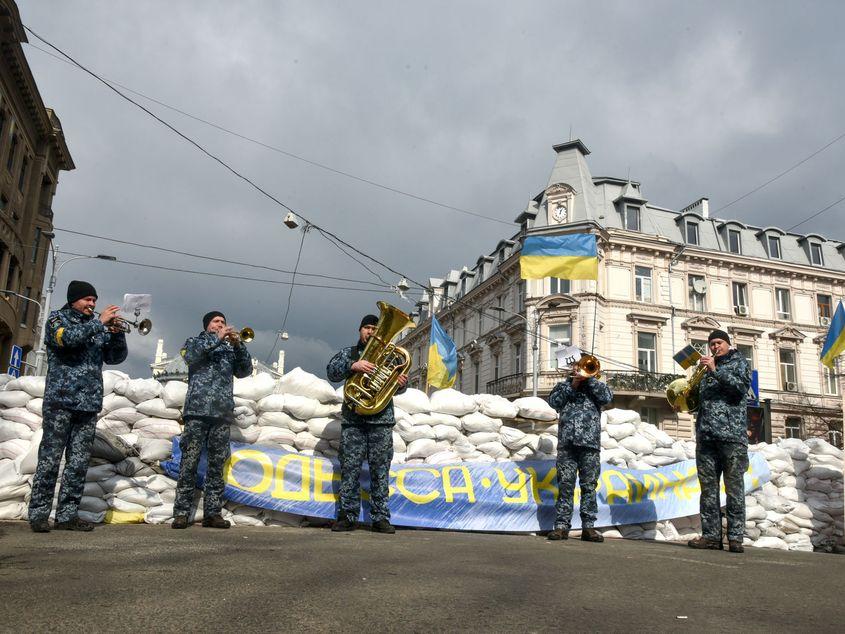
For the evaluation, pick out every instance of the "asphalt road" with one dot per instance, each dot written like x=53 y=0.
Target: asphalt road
x=283 y=579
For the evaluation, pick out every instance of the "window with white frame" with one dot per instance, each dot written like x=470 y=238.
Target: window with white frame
x=740 y=297
x=829 y=383
x=632 y=218
x=691 y=232
x=794 y=427
x=734 y=241
x=517 y=358
x=825 y=305
x=559 y=286
x=702 y=346
x=560 y=336
x=697 y=293
x=647 y=351
x=816 y=256
x=786 y=357
x=773 y=243
x=784 y=305
x=642 y=283
x=834 y=433
x=747 y=351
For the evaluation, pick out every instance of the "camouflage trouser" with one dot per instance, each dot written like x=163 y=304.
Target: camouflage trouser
x=213 y=434
x=584 y=462
x=715 y=459
x=375 y=444
x=71 y=433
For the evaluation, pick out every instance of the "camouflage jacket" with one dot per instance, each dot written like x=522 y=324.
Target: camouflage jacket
x=340 y=369
x=580 y=411
x=77 y=346
x=723 y=412
x=212 y=363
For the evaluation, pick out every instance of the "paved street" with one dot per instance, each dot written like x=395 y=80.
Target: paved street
x=250 y=579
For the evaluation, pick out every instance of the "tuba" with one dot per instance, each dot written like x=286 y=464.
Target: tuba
x=369 y=393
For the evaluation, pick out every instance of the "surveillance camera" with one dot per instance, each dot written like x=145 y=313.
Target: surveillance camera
x=290 y=221
x=403 y=286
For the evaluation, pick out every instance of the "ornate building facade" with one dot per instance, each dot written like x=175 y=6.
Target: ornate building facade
x=666 y=278
x=32 y=153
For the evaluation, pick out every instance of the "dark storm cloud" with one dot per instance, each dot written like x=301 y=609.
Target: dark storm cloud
x=459 y=102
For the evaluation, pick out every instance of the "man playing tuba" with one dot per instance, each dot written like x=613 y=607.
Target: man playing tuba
x=363 y=436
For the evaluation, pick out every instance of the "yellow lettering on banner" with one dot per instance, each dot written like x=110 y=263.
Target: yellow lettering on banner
x=449 y=490
x=304 y=492
x=679 y=485
x=416 y=498
x=613 y=494
x=755 y=479
x=637 y=487
x=514 y=487
x=250 y=454
x=320 y=478
x=690 y=485
x=654 y=487
x=547 y=483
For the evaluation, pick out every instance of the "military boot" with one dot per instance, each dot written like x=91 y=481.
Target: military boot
x=558 y=534
x=40 y=526
x=180 y=521
x=75 y=524
x=705 y=543
x=591 y=535
x=735 y=546
x=343 y=524
x=383 y=526
x=215 y=521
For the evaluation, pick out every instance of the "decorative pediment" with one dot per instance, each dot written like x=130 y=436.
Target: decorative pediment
x=744 y=331
x=788 y=333
x=700 y=323
x=494 y=340
x=820 y=339
x=647 y=318
x=559 y=189
x=558 y=301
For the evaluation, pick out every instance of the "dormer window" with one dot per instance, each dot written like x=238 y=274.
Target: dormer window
x=773 y=244
x=632 y=218
x=691 y=232
x=816 y=256
x=734 y=241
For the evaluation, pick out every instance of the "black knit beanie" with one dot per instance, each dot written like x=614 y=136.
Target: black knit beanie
x=77 y=290
x=719 y=334
x=209 y=316
x=368 y=320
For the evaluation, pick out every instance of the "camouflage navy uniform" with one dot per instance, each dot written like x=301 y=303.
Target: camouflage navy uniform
x=207 y=415
x=578 y=447
x=363 y=437
x=77 y=346
x=722 y=444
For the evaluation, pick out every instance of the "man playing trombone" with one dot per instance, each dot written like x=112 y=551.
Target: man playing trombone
x=78 y=343
x=213 y=358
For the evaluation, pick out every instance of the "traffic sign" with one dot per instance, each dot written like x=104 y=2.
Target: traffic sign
x=16 y=357
x=754 y=390
x=15 y=372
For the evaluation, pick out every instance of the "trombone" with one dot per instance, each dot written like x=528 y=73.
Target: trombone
x=587 y=367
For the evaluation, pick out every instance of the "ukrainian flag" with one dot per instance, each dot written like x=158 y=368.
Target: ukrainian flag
x=442 y=357
x=569 y=257
x=834 y=344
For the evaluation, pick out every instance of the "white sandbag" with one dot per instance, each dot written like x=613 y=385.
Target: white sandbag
x=326 y=428
x=618 y=431
x=173 y=394
x=15 y=492
x=301 y=407
x=123 y=506
x=159 y=514
x=654 y=460
x=399 y=445
x=443 y=457
x=658 y=437
x=110 y=379
x=481 y=437
x=138 y=390
x=244 y=417
x=422 y=448
x=245 y=520
x=116 y=483
x=128 y=415
x=478 y=422
x=271 y=403
x=306 y=440
x=446 y=432
x=275 y=436
x=32 y=385
x=522 y=454
x=514 y=439
x=413 y=401
x=770 y=542
x=790 y=494
x=155 y=450
x=535 y=408
x=638 y=444
x=280 y=518
x=822 y=447
x=607 y=442
x=21 y=415
x=13 y=448
x=10 y=430
x=781 y=466
x=12 y=510
x=157 y=409
x=496 y=406
x=254 y=388
x=248 y=435
x=14 y=398
x=410 y=432
x=113 y=402
x=281 y=419
x=156 y=428
x=302 y=383
x=327 y=410
x=494 y=449
x=27 y=462
x=773 y=452
x=618 y=456
x=618 y=416
x=452 y=402
x=36 y=406
x=438 y=418
x=141 y=496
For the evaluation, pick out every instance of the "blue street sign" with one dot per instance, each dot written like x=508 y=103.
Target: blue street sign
x=15 y=372
x=754 y=390
x=16 y=357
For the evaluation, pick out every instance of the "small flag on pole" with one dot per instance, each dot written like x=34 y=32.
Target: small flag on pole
x=442 y=357
x=687 y=357
x=569 y=257
x=834 y=343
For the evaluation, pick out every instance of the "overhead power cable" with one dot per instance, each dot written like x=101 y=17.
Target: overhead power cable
x=290 y=295
x=818 y=213
x=287 y=153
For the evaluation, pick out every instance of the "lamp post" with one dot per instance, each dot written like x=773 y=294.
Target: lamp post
x=40 y=353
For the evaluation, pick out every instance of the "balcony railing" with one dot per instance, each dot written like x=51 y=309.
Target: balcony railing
x=510 y=385
x=631 y=381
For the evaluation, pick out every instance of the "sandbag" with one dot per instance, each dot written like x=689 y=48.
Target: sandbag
x=155 y=450
x=616 y=416
x=14 y=398
x=275 y=436
x=478 y=422
x=282 y=419
x=36 y=406
x=496 y=406
x=156 y=408
x=422 y=448
x=248 y=435
x=108 y=447
x=254 y=388
x=115 y=401
x=302 y=383
x=326 y=428
x=481 y=437
x=138 y=390
x=638 y=444
x=157 y=428
x=13 y=448
x=115 y=516
x=535 y=408
x=10 y=430
x=128 y=415
x=301 y=407
x=620 y=430
x=514 y=439
x=173 y=394
x=657 y=437
x=271 y=403
x=443 y=457
x=452 y=402
x=21 y=415
x=110 y=379
x=494 y=449
x=413 y=401
x=113 y=426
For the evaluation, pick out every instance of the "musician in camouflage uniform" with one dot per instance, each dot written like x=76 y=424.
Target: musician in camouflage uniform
x=722 y=442
x=579 y=401
x=213 y=357
x=78 y=343
x=363 y=437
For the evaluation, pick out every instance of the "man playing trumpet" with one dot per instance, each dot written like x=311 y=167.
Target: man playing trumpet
x=213 y=357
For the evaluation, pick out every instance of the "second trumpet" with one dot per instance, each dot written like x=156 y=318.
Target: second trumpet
x=144 y=326
x=244 y=335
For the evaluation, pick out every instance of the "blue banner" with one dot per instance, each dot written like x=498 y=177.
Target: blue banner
x=500 y=496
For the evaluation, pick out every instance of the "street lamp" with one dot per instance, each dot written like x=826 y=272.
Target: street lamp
x=40 y=353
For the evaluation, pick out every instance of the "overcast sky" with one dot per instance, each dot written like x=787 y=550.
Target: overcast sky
x=459 y=102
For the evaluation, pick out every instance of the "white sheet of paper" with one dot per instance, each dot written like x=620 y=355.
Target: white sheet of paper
x=567 y=356
x=132 y=302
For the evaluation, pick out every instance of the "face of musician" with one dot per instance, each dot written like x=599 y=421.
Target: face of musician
x=216 y=324
x=719 y=347
x=366 y=332
x=85 y=305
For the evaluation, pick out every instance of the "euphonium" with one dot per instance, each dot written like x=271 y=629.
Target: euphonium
x=370 y=393
x=587 y=367
x=682 y=393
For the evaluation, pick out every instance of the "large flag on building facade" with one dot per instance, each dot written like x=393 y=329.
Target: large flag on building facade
x=442 y=357
x=834 y=344
x=569 y=257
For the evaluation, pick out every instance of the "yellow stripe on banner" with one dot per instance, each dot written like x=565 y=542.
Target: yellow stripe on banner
x=438 y=374
x=565 y=267
x=59 y=333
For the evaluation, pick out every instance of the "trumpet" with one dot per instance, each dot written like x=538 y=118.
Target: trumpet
x=144 y=326
x=244 y=335
x=587 y=367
